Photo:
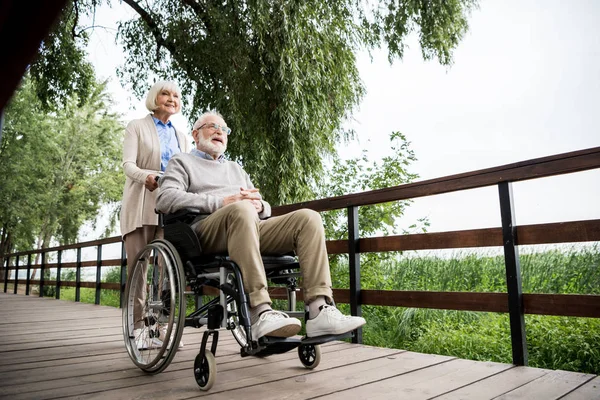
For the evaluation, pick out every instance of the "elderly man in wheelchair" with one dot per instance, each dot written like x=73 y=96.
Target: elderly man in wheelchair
x=218 y=233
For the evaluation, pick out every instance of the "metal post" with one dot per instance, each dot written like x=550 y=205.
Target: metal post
x=354 y=260
x=58 y=271
x=78 y=276
x=98 y=273
x=123 y=274
x=28 y=280
x=42 y=267
x=513 y=275
x=16 y=275
x=6 y=274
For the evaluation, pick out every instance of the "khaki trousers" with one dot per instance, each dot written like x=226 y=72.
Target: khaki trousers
x=236 y=229
x=134 y=243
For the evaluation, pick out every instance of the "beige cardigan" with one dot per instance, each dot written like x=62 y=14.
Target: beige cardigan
x=141 y=157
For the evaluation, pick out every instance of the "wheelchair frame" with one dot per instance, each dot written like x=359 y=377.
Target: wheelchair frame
x=168 y=267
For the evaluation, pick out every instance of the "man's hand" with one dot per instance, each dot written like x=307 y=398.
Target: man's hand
x=258 y=205
x=245 y=194
x=151 y=183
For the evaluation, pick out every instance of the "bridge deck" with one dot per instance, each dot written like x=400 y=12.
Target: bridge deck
x=57 y=349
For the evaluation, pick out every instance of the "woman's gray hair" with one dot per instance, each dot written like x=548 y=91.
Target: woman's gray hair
x=156 y=89
x=200 y=119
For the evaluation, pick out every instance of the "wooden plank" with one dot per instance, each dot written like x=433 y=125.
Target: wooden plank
x=588 y=391
x=493 y=302
x=323 y=382
x=442 y=240
x=176 y=383
x=69 y=375
x=552 y=385
x=574 y=305
x=91 y=243
x=46 y=335
x=424 y=383
x=191 y=338
x=495 y=385
x=562 y=232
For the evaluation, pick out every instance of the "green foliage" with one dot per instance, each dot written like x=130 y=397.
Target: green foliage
x=359 y=175
x=283 y=73
x=113 y=275
x=566 y=343
x=68 y=275
x=61 y=68
x=56 y=168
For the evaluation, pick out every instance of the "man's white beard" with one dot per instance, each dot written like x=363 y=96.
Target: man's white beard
x=207 y=146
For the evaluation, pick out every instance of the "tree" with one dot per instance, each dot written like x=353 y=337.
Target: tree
x=61 y=67
x=56 y=168
x=282 y=72
x=359 y=175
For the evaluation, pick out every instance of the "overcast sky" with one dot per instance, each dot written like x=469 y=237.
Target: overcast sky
x=525 y=84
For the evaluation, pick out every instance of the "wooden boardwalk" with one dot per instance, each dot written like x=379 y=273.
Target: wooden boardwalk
x=57 y=349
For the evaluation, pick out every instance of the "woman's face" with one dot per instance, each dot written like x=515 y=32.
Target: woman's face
x=168 y=103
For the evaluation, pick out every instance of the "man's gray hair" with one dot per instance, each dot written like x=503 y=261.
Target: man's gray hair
x=201 y=119
x=156 y=89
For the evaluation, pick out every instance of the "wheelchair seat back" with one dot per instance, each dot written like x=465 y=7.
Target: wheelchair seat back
x=177 y=231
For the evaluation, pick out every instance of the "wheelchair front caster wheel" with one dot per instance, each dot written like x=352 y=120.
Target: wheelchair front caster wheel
x=205 y=370
x=310 y=355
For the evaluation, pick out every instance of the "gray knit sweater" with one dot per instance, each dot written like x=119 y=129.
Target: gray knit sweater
x=194 y=182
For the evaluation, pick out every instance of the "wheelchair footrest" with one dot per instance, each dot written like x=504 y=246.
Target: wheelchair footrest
x=325 y=338
x=269 y=345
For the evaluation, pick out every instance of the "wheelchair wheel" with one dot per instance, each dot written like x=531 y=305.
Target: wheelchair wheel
x=154 y=313
x=310 y=355
x=205 y=370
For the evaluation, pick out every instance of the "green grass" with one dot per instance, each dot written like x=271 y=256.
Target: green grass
x=565 y=343
x=88 y=295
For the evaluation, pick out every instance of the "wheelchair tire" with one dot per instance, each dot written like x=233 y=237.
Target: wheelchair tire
x=310 y=355
x=157 y=277
x=205 y=370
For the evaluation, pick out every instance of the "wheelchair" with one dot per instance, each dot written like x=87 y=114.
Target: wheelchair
x=173 y=269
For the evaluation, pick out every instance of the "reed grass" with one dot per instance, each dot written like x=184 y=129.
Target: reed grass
x=565 y=343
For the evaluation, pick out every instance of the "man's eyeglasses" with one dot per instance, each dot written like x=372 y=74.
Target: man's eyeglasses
x=216 y=127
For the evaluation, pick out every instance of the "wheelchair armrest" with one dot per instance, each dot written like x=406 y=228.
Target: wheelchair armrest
x=185 y=215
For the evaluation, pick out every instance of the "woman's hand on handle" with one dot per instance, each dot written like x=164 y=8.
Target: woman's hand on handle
x=151 y=182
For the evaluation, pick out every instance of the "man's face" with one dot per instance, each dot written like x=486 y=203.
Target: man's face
x=209 y=139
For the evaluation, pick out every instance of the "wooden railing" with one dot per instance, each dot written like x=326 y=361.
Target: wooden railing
x=508 y=236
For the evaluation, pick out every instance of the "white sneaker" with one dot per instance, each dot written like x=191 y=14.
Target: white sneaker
x=143 y=341
x=275 y=323
x=331 y=321
x=163 y=335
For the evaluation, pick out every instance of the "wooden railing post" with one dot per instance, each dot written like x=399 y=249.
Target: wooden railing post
x=16 y=275
x=354 y=260
x=42 y=268
x=513 y=275
x=98 y=274
x=78 y=276
x=28 y=280
x=123 y=274
x=6 y=274
x=58 y=272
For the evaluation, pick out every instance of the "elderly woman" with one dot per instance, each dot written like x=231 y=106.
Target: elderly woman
x=149 y=144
